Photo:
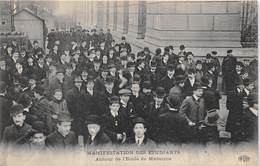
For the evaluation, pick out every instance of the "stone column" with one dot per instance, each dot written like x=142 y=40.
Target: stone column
x=198 y=24
x=122 y=16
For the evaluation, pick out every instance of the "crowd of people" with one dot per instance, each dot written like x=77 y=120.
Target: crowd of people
x=87 y=84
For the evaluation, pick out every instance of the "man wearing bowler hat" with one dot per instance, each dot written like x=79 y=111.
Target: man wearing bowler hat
x=63 y=137
x=95 y=135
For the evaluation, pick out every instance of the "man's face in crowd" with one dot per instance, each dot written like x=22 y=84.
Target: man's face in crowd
x=139 y=130
x=58 y=95
x=199 y=66
x=191 y=75
x=18 y=66
x=68 y=71
x=96 y=66
x=9 y=50
x=78 y=84
x=125 y=98
x=146 y=91
x=112 y=71
x=19 y=119
x=158 y=100
x=135 y=88
x=114 y=107
x=153 y=69
x=38 y=139
x=238 y=68
x=109 y=86
x=2 y=65
x=15 y=55
x=30 y=61
x=64 y=128
x=170 y=73
x=250 y=87
x=60 y=76
x=90 y=85
x=93 y=129
x=131 y=69
x=198 y=92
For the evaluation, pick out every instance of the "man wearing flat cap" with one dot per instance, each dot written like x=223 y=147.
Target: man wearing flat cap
x=95 y=133
x=63 y=137
x=19 y=130
x=139 y=138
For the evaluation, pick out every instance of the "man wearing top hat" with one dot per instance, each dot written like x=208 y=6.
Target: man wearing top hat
x=19 y=131
x=115 y=123
x=139 y=138
x=95 y=133
x=63 y=137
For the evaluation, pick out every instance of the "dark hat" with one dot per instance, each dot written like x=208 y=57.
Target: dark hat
x=182 y=47
x=248 y=81
x=153 y=64
x=198 y=62
x=130 y=64
x=39 y=127
x=93 y=119
x=160 y=92
x=77 y=79
x=170 y=67
x=2 y=58
x=138 y=120
x=212 y=116
x=229 y=51
x=146 y=49
x=60 y=70
x=191 y=71
x=90 y=78
x=38 y=89
x=114 y=99
x=16 y=109
x=2 y=86
x=198 y=85
x=123 y=58
x=104 y=68
x=205 y=80
x=111 y=65
x=180 y=78
x=214 y=52
x=64 y=117
x=109 y=79
x=208 y=56
x=147 y=85
x=240 y=64
x=252 y=98
x=125 y=92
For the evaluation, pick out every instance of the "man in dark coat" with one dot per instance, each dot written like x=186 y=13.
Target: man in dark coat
x=63 y=138
x=76 y=105
x=19 y=132
x=172 y=126
x=228 y=70
x=139 y=138
x=168 y=81
x=176 y=92
x=190 y=82
x=5 y=105
x=194 y=111
x=115 y=124
x=125 y=45
x=210 y=95
x=249 y=120
x=96 y=136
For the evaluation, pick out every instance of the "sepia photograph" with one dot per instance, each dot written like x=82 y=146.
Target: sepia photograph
x=128 y=82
